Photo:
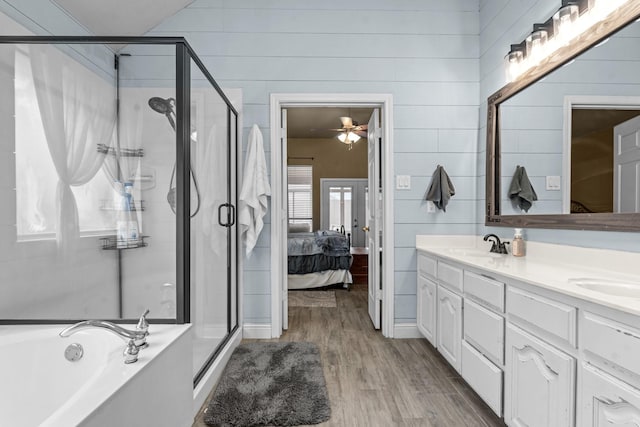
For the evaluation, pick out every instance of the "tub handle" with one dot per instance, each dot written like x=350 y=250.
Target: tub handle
x=130 y=352
x=143 y=325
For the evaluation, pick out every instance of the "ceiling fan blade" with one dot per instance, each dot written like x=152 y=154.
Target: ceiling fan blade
x=338 y=130
x=346 y=122
x=360 y=127
x=360 y=133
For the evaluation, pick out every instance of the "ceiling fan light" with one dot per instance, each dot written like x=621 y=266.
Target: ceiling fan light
x=353 y=137
x=343 y=138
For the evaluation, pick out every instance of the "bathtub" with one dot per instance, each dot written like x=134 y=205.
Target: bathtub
x=40 y=387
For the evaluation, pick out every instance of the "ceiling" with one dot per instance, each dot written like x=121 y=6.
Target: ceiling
x=314 y=122
x=121 y=17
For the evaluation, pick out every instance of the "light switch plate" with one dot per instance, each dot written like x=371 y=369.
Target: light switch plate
x=431 y=207
x=553 y=183
x=403 y=182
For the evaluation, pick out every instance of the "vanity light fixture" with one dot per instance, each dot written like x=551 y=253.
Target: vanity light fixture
x=574 y=17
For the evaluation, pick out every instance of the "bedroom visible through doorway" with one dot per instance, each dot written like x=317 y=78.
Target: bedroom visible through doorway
x=346 y=133
x=326 y=195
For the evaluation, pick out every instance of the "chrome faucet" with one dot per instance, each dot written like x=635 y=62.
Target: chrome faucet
x=136 y=339
x=497 y=246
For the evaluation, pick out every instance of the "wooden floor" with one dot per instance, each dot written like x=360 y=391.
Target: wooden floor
x=375 y=381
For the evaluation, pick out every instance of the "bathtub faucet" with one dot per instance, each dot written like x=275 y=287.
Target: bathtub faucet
x=137 y=338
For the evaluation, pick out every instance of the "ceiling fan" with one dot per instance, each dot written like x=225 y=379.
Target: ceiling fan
x=351 y=131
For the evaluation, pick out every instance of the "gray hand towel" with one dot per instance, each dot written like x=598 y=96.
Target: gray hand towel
x=441 y=189
x=521 y=191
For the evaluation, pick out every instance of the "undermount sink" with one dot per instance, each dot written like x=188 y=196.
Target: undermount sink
x=608 y=286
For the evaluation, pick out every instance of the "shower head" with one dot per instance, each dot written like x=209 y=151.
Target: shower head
x=164 y=106
x=160 y=105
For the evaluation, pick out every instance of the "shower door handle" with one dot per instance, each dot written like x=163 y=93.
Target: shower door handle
x=231 y=219
x=233 y=215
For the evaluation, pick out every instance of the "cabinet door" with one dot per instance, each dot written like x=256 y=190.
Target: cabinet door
x=427 y=308
x=449 y=326
x=606 y=401
x=539 y=382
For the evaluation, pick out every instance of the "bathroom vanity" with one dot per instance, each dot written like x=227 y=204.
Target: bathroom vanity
x=550 y=339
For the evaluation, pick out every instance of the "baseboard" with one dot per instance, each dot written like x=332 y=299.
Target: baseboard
x=257 y=330
x=406 y=330
x=211 y=377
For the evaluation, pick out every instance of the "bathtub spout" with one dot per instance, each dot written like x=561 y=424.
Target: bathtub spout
x=139 y=337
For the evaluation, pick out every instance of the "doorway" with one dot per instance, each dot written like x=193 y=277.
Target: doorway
x=381 y=163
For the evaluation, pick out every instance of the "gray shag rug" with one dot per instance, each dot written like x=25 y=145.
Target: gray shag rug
x=272 y=383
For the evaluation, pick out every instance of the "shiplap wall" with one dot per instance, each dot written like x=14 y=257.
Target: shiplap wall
x=503 y=22
x=425 y=53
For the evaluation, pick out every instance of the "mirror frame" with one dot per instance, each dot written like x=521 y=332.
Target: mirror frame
x=617 y=20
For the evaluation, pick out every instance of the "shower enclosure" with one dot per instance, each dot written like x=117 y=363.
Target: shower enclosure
x=119 y=189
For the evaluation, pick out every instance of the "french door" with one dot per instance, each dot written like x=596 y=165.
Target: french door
x=343 y=204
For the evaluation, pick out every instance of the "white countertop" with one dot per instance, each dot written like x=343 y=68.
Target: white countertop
x=549 y=266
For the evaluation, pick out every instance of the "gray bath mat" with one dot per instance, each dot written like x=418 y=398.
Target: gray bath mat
x=272 y=383
x=312 y=299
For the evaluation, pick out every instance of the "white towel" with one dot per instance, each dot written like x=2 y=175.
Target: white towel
x=255 y=190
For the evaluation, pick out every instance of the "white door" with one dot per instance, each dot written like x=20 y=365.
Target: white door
x=626 y=166
x=342 y=204
x=285 y=219
x=374 y=141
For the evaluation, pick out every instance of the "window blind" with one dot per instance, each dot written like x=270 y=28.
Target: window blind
x=300 y=193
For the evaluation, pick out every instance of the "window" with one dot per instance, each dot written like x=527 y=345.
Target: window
x=300 y=195
x=36 y=176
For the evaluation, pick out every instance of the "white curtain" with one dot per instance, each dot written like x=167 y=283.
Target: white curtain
x=78 y=113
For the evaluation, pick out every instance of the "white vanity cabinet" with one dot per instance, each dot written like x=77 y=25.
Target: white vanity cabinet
x=536 y=354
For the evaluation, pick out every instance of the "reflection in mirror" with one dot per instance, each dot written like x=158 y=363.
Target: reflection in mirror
x=575 y=132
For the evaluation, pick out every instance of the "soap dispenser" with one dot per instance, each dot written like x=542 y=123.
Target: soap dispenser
x=517 y=246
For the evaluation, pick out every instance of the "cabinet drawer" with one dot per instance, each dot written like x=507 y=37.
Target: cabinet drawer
x=484 y=289
x=483 y=376
x=553 y=318
x=484 y=330
x=426 y=265
x=604 y=400
x=615 y=342
x=450 y=276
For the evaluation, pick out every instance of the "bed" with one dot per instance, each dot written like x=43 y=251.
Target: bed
x=318 y=259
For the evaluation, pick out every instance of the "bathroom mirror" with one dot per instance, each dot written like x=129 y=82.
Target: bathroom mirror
x=559 y=121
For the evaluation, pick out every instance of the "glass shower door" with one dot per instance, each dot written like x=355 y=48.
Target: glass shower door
x=212 y=217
